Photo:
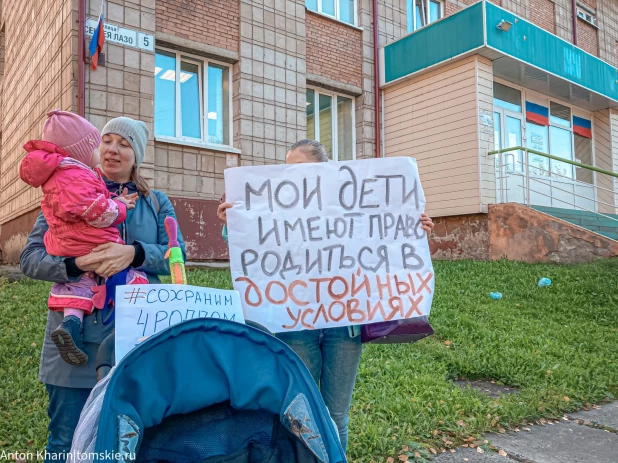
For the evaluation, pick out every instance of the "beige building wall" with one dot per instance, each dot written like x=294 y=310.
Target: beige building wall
x=604 y=159
x=485 y=105
x=614 y=134
x=434 y=118
x=40 y=75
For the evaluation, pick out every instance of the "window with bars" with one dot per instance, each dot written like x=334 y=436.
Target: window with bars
x=192 y=99
x=330 y=120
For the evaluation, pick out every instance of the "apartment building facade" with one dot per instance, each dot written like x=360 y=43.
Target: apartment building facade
x=223 y=83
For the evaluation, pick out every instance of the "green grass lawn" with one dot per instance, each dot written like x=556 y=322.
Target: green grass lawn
x=558 y=345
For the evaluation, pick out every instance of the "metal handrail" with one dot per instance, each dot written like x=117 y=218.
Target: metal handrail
x=545 y=180
x=575 y=205
x=555 y=158
x=541 y=178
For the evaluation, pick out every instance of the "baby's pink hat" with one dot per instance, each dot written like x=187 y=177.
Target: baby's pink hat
x=72 y=133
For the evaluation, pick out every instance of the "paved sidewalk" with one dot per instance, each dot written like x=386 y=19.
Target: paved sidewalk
x=576 y=440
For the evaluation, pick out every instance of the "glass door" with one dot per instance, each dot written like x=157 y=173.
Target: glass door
x=508 y=133
x=537 y=138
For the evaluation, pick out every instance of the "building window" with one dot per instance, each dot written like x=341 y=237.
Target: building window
x=550 y=130
x=423 y=12
x=333 y=124
x=192 y=99
x=588 y=17
x=343 y=10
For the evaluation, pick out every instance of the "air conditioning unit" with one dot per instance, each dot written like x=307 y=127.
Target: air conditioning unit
x=587 y=17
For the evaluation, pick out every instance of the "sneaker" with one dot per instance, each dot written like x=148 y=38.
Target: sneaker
x=68 y=340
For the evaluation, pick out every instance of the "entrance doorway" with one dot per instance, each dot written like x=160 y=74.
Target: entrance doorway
x=545 y=182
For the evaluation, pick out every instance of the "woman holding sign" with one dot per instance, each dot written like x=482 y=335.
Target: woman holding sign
x=332 y=355
x=122 y=149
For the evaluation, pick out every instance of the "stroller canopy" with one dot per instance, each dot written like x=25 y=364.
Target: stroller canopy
x=209 y=391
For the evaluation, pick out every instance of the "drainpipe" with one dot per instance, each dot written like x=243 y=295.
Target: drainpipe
x=376 y=72
x=574 y=18
x=81 y=60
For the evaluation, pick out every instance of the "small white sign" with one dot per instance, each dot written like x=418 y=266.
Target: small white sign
x=122 y=36
x=144 y=310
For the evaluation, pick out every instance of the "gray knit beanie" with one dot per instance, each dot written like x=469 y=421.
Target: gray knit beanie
x=134 y=131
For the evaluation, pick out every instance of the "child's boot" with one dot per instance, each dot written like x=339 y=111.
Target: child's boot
x=68 y=339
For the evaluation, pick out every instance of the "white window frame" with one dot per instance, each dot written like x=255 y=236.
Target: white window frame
x=415 y=27
x=337 y=15
x=334 y=118
x=587 y=17
x=202 y=64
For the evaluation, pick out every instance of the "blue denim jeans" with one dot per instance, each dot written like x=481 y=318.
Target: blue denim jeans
x=332 y=358
x=65 y=406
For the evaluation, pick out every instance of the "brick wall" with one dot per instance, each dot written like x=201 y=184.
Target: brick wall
x=333 y=50
x=542 y=14
x=587 y=37
x=38 y=76
x=214 y=22
x=607 y=19
x=451 y=8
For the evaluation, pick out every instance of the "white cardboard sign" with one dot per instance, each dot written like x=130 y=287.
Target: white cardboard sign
x=144 y=310
x=329 y=244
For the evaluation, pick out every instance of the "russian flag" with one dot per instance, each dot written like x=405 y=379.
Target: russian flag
x=582 y=127
x=98 y=38
x=537 y=113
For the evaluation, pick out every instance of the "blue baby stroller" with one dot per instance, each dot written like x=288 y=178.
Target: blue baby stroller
x=208 y=391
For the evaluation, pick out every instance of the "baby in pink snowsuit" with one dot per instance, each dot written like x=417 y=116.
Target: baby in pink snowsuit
x=80 y=212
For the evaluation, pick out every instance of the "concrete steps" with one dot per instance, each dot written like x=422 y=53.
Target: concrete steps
x=589 y=220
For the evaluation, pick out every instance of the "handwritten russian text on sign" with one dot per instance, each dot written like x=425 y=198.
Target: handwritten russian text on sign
x=329 y=244
x=122 y=36
x=144 y=310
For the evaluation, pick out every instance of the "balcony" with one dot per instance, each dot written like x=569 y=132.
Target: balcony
x=524 y=54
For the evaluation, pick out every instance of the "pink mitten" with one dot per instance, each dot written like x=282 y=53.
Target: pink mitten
x=98 y=299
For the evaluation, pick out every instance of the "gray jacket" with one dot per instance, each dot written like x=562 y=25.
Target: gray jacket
x=144 y=225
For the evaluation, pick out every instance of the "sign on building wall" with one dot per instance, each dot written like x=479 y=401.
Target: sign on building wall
x=122 y=36
x=329 y=244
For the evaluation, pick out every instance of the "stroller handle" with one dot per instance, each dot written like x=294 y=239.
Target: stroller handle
x=105 y=360
x=105 y=356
